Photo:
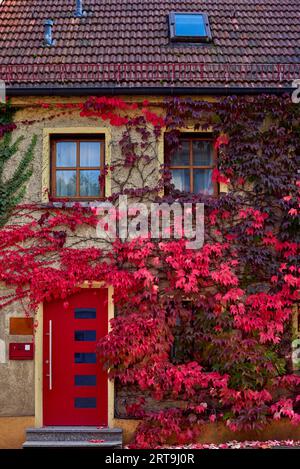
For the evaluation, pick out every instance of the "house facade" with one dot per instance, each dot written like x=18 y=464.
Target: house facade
x=55 y=56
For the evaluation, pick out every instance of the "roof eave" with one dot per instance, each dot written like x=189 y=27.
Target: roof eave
x=141 y=90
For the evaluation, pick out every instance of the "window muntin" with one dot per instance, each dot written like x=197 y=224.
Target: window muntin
x=192 y=165
x=77 y=164
x=189 y=27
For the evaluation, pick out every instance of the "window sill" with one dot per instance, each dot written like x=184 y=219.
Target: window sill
x=70 y=203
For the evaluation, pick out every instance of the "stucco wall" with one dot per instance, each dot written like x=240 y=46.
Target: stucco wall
x=17 y=377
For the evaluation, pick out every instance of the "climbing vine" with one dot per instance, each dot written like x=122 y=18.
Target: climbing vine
x=209 y=330
x=12 y=187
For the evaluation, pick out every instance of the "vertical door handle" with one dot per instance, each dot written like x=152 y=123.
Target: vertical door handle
x=50 y=355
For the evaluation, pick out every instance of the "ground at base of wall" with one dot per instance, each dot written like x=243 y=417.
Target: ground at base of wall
x=12 y=431
x=218 y=433
x=12 y=434
x=269 y=444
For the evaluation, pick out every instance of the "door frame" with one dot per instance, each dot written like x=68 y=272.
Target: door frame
x=38 y=359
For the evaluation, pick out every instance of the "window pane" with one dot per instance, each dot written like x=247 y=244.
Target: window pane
x=85 y=402
x=89 y=183
x=182 y=156
x=85 y=313
x=66 y=154
x=90 y=154
x=85 y=336
x=203 y=181
x=85 y=380
x=189 y=25
x=65 y=183
x=85 y=358
x=181 y=179
x=202 y=153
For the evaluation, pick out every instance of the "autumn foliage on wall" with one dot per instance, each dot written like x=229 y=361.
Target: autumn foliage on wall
x=208 y=330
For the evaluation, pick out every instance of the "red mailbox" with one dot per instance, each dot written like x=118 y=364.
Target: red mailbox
x=21 y=351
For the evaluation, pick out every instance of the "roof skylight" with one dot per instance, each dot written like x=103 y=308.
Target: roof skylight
x=189 y=27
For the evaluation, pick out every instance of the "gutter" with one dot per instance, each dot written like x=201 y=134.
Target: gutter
x=158 y=91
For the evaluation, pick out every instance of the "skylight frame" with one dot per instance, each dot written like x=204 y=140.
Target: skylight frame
x=195 y=39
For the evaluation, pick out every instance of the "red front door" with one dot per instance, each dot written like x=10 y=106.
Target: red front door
x=74 y=383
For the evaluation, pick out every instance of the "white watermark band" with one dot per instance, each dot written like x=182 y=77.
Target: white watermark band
x=154 y=221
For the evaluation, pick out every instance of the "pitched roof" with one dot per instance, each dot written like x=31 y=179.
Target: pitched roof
x=126 y=43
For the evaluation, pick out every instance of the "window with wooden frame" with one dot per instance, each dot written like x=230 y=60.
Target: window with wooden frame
x=77 y=163
x=192 y=164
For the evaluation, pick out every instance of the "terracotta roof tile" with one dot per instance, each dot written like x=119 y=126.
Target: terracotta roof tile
x=136 y=32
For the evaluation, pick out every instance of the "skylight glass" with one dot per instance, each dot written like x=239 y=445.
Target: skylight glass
x=189 y=27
